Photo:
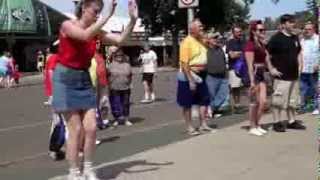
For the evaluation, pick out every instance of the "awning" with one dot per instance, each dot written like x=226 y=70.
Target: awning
x=24 y=17
x=17 y=16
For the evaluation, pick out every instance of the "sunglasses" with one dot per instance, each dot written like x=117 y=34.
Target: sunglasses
x=261 y=30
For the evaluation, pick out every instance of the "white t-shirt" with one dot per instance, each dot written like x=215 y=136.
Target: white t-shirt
x=149 y=62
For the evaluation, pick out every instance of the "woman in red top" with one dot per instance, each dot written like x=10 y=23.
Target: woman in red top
x=257 y=61
x=73 y=94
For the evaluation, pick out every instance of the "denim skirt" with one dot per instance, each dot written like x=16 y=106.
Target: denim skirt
x=72 y=90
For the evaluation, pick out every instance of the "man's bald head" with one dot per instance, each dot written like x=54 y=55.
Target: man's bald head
x=196 y=28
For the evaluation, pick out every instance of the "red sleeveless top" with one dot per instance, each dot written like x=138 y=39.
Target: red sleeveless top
x=76 y=54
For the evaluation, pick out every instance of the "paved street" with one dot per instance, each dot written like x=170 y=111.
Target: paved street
x=156 y=146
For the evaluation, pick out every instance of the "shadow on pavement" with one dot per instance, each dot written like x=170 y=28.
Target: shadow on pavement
x=114 y=170
x=109 y=139
x=136 y=120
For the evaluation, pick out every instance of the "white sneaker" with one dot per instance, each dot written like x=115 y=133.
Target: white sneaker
x=115 y=124
x=98 y=142
x=77 y=176
x=146 y=101
x=153 y=97
x=263 y=131
x=316 y=112
x=217 y=116
x=105 y=122
x=255 y=132
x=206 y=128
x=128 y=123
x=90 y=175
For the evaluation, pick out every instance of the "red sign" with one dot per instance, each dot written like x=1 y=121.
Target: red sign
x=188 y=3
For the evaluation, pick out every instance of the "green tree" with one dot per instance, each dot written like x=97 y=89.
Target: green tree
x=162 y=15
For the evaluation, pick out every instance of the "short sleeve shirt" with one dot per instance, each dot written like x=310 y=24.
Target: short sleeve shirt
x=259 y=52
x=284 y=51
x=234 y=45
x=193 y=52
x=149 y=62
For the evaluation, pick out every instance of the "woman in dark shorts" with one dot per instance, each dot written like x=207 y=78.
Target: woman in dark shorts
x=73 y=94
x=256 y=57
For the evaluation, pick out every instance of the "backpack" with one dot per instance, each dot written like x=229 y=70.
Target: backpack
x=241 y=70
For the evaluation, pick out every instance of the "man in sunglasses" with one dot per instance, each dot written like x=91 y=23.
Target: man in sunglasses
x=284 y=49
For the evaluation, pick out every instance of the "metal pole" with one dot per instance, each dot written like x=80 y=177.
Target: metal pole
x=190 y=16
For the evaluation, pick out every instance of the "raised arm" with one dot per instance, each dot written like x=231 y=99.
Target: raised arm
x=117 y=39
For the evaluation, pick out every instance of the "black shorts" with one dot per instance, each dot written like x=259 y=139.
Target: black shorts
x=148 y=77
x=259 y=74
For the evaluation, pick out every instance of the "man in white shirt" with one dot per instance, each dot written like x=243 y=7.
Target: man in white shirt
x=309 y=74
x=149 y=68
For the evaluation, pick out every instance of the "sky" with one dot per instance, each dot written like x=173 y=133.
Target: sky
x=259 y=10
x=265 y=8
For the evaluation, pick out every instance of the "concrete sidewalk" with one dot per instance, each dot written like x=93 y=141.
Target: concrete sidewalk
x=228 y=154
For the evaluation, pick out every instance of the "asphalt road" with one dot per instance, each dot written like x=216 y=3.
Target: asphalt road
x=24 y=127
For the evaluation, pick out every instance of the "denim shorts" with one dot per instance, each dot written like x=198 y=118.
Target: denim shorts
x=72 y=90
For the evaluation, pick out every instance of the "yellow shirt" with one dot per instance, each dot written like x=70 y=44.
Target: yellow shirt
x=193 y=52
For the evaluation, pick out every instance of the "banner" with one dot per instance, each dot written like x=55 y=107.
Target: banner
x=17 y=16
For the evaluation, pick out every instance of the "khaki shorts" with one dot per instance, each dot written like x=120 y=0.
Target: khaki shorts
x=234 y=80
x=285 y=94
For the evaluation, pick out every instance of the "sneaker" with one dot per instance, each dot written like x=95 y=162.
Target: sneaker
x=115 y=124
x=216 y=116
x=57 y=156
x=296 y=125
x=255 y=132
x=106 y=122
x=76 y=176
x=301 y=111
x=316 y=112
x=98 y=142
x=146 y=101
x=153 y=97
x=206 y=128
x=53 y=155
x=90 y=175
x=279 y=127
x=128 y=123
x=46 y=103
x=193 y=132
x=263 y=131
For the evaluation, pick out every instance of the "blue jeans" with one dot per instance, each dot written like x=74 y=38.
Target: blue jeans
x=218 y=90
x=308 y=89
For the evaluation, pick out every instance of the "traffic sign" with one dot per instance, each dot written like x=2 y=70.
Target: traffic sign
x=188 y=3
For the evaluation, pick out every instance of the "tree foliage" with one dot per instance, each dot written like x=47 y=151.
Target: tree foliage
x=165 y=14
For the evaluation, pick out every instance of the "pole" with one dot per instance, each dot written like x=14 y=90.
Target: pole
x=190 y=16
